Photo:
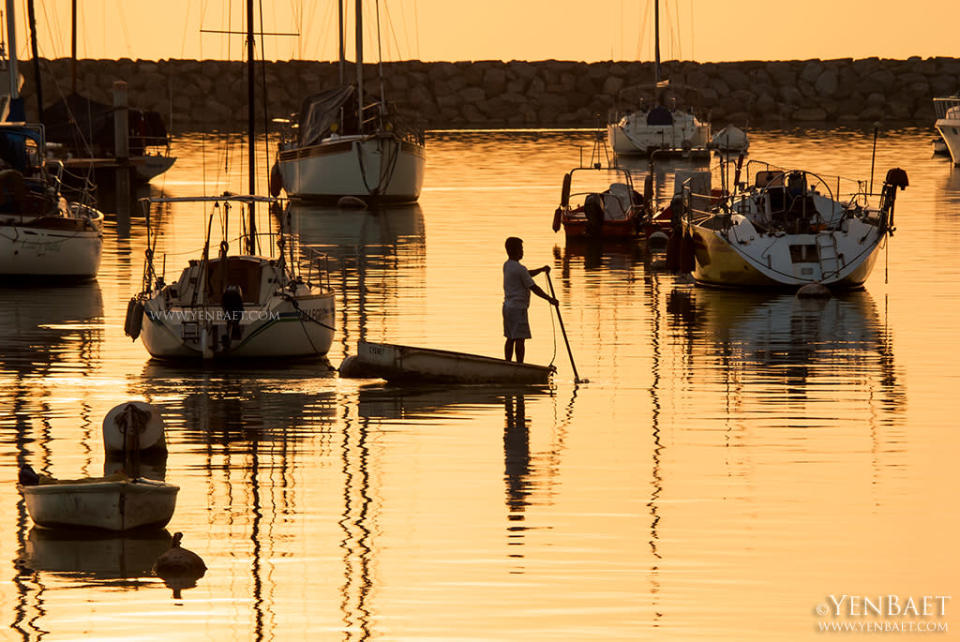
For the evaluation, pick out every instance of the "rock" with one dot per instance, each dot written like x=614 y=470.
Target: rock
x=827 y=84
x=612 y=85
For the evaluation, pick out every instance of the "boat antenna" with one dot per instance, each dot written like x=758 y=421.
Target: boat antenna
x=873 y=157
x=251 y=127
x=359 y=66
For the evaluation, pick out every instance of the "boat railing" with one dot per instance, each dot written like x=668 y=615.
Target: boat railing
x=317 y=263
x=941 y=105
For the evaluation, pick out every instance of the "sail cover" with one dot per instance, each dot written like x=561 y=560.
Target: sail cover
x=320 y=111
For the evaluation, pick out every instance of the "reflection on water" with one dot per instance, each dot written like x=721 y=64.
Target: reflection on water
x=733 y=459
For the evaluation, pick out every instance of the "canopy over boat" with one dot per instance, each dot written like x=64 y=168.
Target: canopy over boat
x=406 y=363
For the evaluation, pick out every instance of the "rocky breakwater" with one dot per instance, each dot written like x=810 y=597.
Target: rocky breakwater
x=211 y=94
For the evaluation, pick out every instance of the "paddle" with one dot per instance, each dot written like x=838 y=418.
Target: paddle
x=576 y=377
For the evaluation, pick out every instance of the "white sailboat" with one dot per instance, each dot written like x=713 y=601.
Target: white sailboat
x=787 y=229
x=660 y=123
x=233 y=306
x=41 y=234
x=344 y=147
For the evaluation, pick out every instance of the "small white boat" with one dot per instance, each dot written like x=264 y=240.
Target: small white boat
x=948 y=124
x=730 y=139
x=406 y=363
x=115 y=503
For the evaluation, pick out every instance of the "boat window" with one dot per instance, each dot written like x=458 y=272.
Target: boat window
x=804 y=253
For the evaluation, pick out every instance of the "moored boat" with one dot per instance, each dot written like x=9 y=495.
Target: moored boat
x=41 y=233
x=350 y=144
x=407 y=363
x=788 y=228
x=599 y=203
x=232 y=306
x=113 y=503
x=948 y=124
x=658 y=118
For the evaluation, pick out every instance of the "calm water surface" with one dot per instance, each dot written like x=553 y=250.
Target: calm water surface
x=733 y=460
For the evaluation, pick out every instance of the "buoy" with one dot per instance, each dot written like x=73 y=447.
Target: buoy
x=352 y=202
x=557 y=219
x=134 y=425
x=814 y=291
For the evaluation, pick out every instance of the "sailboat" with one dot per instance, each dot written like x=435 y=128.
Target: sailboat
x=233 y=306
x=786 y=228
x=346 y=147
x=41 y=233
x=657 y=123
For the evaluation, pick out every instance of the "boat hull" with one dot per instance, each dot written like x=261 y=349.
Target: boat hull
x=949 y=129
x=406 y=363
x=686 y=137
x=275 y=331
x=380 y=169
x=720 y=263
x=44 y=251
x=104 y=505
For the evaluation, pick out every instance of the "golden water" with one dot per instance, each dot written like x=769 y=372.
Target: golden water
x=733 y=460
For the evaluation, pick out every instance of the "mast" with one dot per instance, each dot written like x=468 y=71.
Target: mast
x=31 y=15
x=656 y=37
x=251 y=143
x=73 y=44
x=16 y=103
x=343 y=57
x=359 y=66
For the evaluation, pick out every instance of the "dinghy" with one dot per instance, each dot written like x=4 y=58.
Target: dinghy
x=114 y=503
x=406 y=363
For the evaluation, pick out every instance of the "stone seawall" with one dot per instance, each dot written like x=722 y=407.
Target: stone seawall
x=492 y=94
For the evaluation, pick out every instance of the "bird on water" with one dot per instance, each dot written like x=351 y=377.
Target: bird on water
x=179 y=562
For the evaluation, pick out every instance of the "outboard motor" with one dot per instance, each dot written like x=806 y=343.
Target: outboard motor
x=232 y=304
x=896 y=177
x=595 y=213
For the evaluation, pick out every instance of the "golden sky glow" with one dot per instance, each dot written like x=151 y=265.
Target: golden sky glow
x=704 y=30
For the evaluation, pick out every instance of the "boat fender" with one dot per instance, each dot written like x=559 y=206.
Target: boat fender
x=557 y=217
x=276 y=180
x=351 y=202
x=814 y=291
x=134 y=321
